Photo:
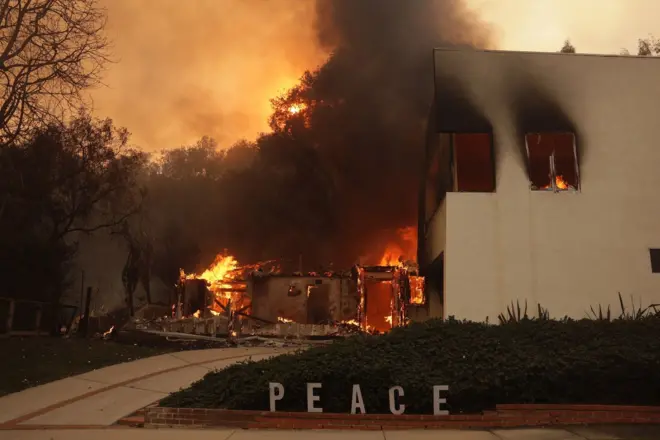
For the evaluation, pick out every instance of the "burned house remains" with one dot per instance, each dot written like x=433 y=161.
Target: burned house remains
x=229 y=299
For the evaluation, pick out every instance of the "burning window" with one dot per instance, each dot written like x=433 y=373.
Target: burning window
x=473 y=162
x=552 y=159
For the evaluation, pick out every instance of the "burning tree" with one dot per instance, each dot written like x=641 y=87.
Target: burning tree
x=50 y=50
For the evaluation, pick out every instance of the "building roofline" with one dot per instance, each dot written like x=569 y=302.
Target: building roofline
x=525 y=52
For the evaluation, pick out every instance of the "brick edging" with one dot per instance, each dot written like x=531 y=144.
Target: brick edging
x=504 y=416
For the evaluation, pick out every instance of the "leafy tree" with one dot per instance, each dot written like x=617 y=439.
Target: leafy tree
x=567 y=47
x=239 y=156
x=202 y=159
x=647 y=47
x=50 y=50
x=62 y=182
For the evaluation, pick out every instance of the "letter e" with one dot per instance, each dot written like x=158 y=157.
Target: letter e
x=311 y=398
x=437 y=400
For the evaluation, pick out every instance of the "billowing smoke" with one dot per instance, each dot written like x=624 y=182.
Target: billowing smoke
x=381 y=72
x=347 y=180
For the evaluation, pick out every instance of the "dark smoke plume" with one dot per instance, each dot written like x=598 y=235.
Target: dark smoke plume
x=381 y=72
x=458 y=112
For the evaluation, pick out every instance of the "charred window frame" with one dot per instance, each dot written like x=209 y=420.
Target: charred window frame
x=552 y=161
x=655 y=260
x=433 y=191
x=473 y=162
x=458 y=162
x=438 y=174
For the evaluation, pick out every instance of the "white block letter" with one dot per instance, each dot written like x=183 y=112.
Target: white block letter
x=402 y=407
x=437 y=400
x=356 y=400
x=276 y=392
x=311 y=398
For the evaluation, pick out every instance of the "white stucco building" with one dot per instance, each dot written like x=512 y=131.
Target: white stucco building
x=502 y=218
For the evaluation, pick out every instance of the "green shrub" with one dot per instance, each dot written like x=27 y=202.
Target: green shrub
x=527 y=361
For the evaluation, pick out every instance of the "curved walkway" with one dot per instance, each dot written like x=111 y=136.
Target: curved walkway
x=101 y=397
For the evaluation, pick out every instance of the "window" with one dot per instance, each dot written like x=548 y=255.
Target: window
x=655 y=260
x=552 y=161
x=473 y=162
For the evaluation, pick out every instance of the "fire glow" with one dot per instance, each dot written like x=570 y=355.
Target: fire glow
x=560 y=184
x=224 y=281
x=404 y=246
x=294 y=109
x=227 y=281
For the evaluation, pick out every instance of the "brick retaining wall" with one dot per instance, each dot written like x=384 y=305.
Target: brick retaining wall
x=505 y=416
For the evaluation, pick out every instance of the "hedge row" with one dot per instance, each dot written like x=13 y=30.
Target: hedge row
x=532 y=361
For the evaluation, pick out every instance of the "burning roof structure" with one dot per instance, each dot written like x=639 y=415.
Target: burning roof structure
x=254 y=298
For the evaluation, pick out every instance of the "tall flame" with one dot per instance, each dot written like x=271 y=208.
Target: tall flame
x=219 y=271
x=405 y=247
x=224 y=280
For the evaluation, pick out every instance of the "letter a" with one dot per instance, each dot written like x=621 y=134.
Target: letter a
x=356 y=400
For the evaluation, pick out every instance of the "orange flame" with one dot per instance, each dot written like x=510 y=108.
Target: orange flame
x=403 y=248
x=219 y=271
x=224 y=280
x=283 y=320
x=416 y=290
x=560 y=183
x=294 y=109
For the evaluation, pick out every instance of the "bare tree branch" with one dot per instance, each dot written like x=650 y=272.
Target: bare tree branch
x=50 y=51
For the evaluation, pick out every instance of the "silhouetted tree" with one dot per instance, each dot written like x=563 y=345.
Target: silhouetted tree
x=647 y=47
x=50 y=50
x=64 y=181
x=262 y=201
x=567 y=47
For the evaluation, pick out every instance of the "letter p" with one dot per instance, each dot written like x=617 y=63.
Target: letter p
x=275 y=392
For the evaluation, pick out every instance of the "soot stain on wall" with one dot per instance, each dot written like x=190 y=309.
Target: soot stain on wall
x=456 y=111
x=537 y=110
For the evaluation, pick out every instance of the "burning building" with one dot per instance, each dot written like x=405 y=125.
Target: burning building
x=372 y=298
x=540 y=176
